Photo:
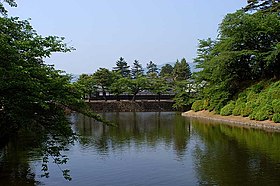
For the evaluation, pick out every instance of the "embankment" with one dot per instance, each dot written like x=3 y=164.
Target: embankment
x=233 y=120
x=132 y=106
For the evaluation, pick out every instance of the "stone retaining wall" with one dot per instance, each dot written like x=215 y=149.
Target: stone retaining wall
x=130 y=106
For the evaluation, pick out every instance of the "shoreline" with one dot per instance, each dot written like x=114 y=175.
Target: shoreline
x=233 y=120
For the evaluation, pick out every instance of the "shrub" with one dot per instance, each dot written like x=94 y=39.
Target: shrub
x=261 y=116
x=205 y=104
x=258 y=88
x=263 y=113
x=238 y=109
x=197 y=105
x=248 y=109
x=276 y=118
x=227 y=110
x=253 y=115
x=276 y=105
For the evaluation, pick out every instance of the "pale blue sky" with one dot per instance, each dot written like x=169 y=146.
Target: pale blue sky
x=104 y=30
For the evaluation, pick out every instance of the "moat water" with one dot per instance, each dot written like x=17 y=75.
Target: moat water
x=152 y=148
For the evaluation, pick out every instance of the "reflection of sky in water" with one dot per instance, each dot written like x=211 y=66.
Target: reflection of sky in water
x=163 y=149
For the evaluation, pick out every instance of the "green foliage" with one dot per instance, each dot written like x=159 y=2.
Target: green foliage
x=3 y=11
x=198 y=105
x=122 y=67
x=152 y=68
x=134 y=86
x=137 y=70
x=238 y=109
x=248 y=109
x=276 y=118
x=228 y=109
x=181 y=70
x=166 y=71
x=263 y=113
x=276 y=105
x=266 y=6
x=183 y=97
x=86 y=85
x=246 y=51
x=33 y=95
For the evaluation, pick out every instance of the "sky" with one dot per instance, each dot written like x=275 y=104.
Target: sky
x=102 y=31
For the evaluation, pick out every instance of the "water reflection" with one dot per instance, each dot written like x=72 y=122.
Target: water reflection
x=229 y=155
x=139 y=128
x=15 y=166
x=149 y=148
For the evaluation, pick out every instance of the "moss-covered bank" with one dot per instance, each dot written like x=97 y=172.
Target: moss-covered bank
x=259 y=102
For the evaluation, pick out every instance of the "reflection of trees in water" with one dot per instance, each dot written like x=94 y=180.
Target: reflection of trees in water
x=135 y=129
x=14 y=163
x=231 y=156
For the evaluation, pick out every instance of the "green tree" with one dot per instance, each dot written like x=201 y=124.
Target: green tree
x=103 y=78
x=3 y=11
x=152 y=68
x=166 y=71
x=122 y=67
x=263 y=5
x=119 y=85
x=184 y=95
x=33 y=95
x=246 y=51
x=137 y=70
x=158 y=86
x=181 y=70
x=86 y=84
x=136 y=85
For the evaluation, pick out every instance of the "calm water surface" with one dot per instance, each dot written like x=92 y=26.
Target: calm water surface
x=150 y=148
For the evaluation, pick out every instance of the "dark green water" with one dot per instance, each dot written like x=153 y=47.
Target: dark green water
x=153 y=149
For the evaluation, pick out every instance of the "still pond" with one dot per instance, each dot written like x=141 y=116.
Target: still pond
x=152 y=148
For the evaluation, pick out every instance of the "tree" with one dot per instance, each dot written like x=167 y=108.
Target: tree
x=152 y=68
x=181 y=70
x=166 y=71
x=158 y=86
x=246 y=51
x=137 y=70
x=122 y=67
x=119 y=85
x=184 y=95
x=86 y=84
x=3 y=11
x=136 y=85
x=33 y=95
x=103 y=79
x=263 y=5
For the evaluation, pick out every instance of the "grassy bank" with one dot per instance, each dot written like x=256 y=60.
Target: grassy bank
x=259 y=102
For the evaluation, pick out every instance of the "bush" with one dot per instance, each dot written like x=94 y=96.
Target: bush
x=205 y=104
x=263 y=113
x=197 y=105
x=258 y=88
x=248 y=109
x=252 y=96
x=238 y=109
x=276 y=118
x=227 y=110
x=276 y=105
x=253 y=115
x=261 y=116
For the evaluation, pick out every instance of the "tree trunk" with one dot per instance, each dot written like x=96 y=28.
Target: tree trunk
x=104 y=94
x=134 y=96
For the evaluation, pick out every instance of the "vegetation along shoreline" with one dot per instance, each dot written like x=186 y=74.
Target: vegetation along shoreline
x=233 y=120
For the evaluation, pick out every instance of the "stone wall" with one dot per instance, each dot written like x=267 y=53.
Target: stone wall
x=130 y=106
